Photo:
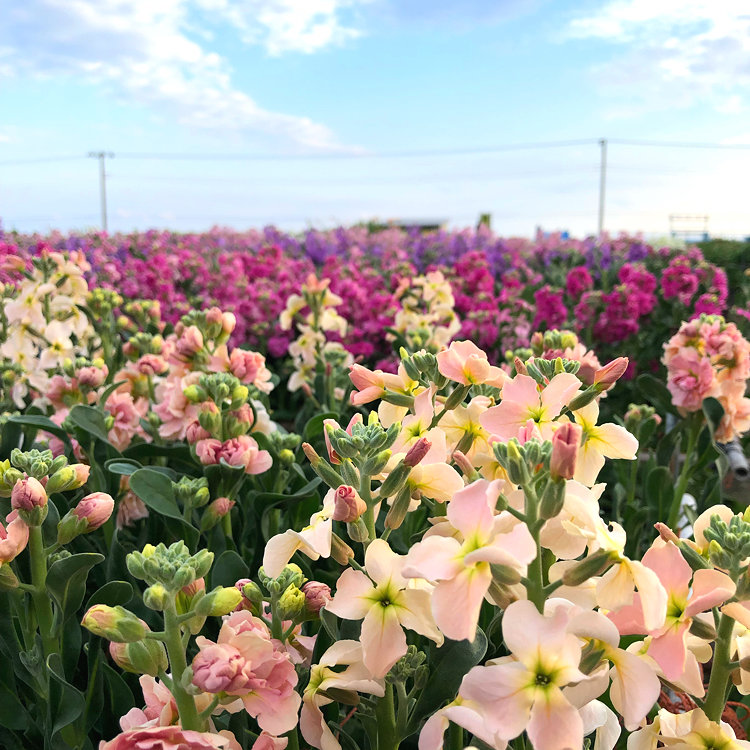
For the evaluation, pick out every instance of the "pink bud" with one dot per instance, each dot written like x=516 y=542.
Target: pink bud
x=565 y=444
x=28 y=494
x=195 y=432
x=92 y=377
x=317 y=595
x=608 y=375
x=82 y=474
x=189 y=343
x=520 y=366
x=193 y=588
x=463 y=463
x=348 y=505
x=666 y=533
x=221 y=506
x=417 y=452
x=95 y=508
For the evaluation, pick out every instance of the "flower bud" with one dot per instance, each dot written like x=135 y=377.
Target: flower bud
x=518 y=471
x=553 y=499
x=68 y=478
x=608 y=375
x=114 y=623
x=28 y=493
x=250 y=591
x=156 y=597
x=291 y=603
x=215 y=512
x=583 y=398
x=456 y=397
x=317 y=595
x=341 y=552
x=221 y=601
x=505 y=575
x=95 y=509
x=321 y=467
x=348 y=505
x=417 y=452
x=8 y=579
x=397 y=512
x=566 y=442
x=141 y=657
x=593 y=565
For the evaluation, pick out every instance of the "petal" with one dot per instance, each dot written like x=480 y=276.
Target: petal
x=614 y=441
x=351 y=601
x=456 y=603
x=415 y=613
x=589 y=464
x=383 y=640
x=554 y=723
x=709 y=589
x=470 y=510
x=382 y=563
x=669 y=650
x=505 y=419
x=279 y=551
x=560 y=390
x=434 y=559
x=635 y=687
x=666 y=560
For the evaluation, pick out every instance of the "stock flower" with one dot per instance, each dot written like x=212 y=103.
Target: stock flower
x=127 y=414
x=684 y=731
x=522 y=399
x=27 y=494
x=688 y=595
x=457 y=556
x=96 y=508
x=599 y=442
x=245 y=663
x=240 y=451
x=464 y=362
x=171 y=738
x=14 y=537
x=355 y=678
x=524 y=691
x=314 y=540
x=387 y=602
x=130 y=509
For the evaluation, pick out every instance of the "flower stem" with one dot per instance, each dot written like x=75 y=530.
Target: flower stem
x=694 y=428
x=176 y=652
x=534 y=581
x=386 y=717
x=40 y=597
x=720 y=671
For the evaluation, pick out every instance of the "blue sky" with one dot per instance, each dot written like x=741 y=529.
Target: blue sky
x=345 y=81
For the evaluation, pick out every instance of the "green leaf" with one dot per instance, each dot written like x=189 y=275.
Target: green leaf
x=122 y=466
x=66 y=580
x=90 y=420
x=156 y=491
x=66 y=702
x=314 y=427
x=113 y=593
x=13 y=715
x=449 y=664
x=41 y=422
x=713 y=411
x=228 y=569
x=655 y=392
x=659 y=488
x=109 y=390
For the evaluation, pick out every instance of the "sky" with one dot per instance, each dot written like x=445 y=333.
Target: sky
x=324 y=112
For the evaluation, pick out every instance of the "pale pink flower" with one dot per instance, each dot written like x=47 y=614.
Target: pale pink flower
x=348 y=506
x=174 y=410
x=356 y=678
x=27 y=494
x=687 y=598
x=127 y=414
x=246 y=663
x=457 y=556
x=151 y=364
x=14 y=537
x=685 y=731
x=599 y=442
x=387 y=603
x=244 y=451
x=129 y=510
x=314 y=540
x=524 y=691
x=170 y=738
x=522 y=399
x=371 y=385
x=464 y=362
x=690 y=379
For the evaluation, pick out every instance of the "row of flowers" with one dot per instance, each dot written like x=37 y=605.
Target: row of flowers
x=420 y=557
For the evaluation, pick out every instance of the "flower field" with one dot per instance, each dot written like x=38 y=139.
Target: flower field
x=372 y=489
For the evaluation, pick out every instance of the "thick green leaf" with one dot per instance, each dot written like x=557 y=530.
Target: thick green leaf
x=155 y=489
x=148 y=450
x=66 y=580
x=228 y=569
x=90 y=420
x=122 y=466
x=713 y=411
x=66 y=702
x=41 y=422
x=113 y=593
x=314 y=427
x=449 y=664
x=659 y=490
x=13 y=715
x=655 y=392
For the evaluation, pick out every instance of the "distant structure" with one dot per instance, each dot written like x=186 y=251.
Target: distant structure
x=689 y=227
x=422 y=225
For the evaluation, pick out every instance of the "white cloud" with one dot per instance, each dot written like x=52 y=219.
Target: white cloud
x=143 y=50
x=677 y=52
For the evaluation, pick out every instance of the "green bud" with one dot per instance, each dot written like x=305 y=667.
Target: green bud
x=70 y=526
x=553 y=499
x=286 y=457
x=195 y=394
x=358 y=531
x=156 y=597
x=221 y=601
x=322 y=468
x=349 y=473
x=251 y=591
x=694 y=558
x=141 y=657
x=292 y=575
x=114 y=623
x=518 y=471
x=8 y=580
x=398 y=510
x=291 y=604
x=504 y=575
x=377 y=463
x=582 y=570
x=702 y=629
x=584 y=398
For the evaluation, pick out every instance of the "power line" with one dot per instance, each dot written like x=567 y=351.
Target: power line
x=678 y=144
x=40 y=160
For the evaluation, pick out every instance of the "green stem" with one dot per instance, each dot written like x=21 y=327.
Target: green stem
x=293 y=738
x=369 y=515
x=175 y=650
x=455 y=737
x=694 y=430
x=40 y=597
x=534 y=581
x=720 y=671
x=386 y=716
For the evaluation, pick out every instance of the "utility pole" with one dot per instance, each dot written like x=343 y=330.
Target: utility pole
x=102 y=156
x=602 y=182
